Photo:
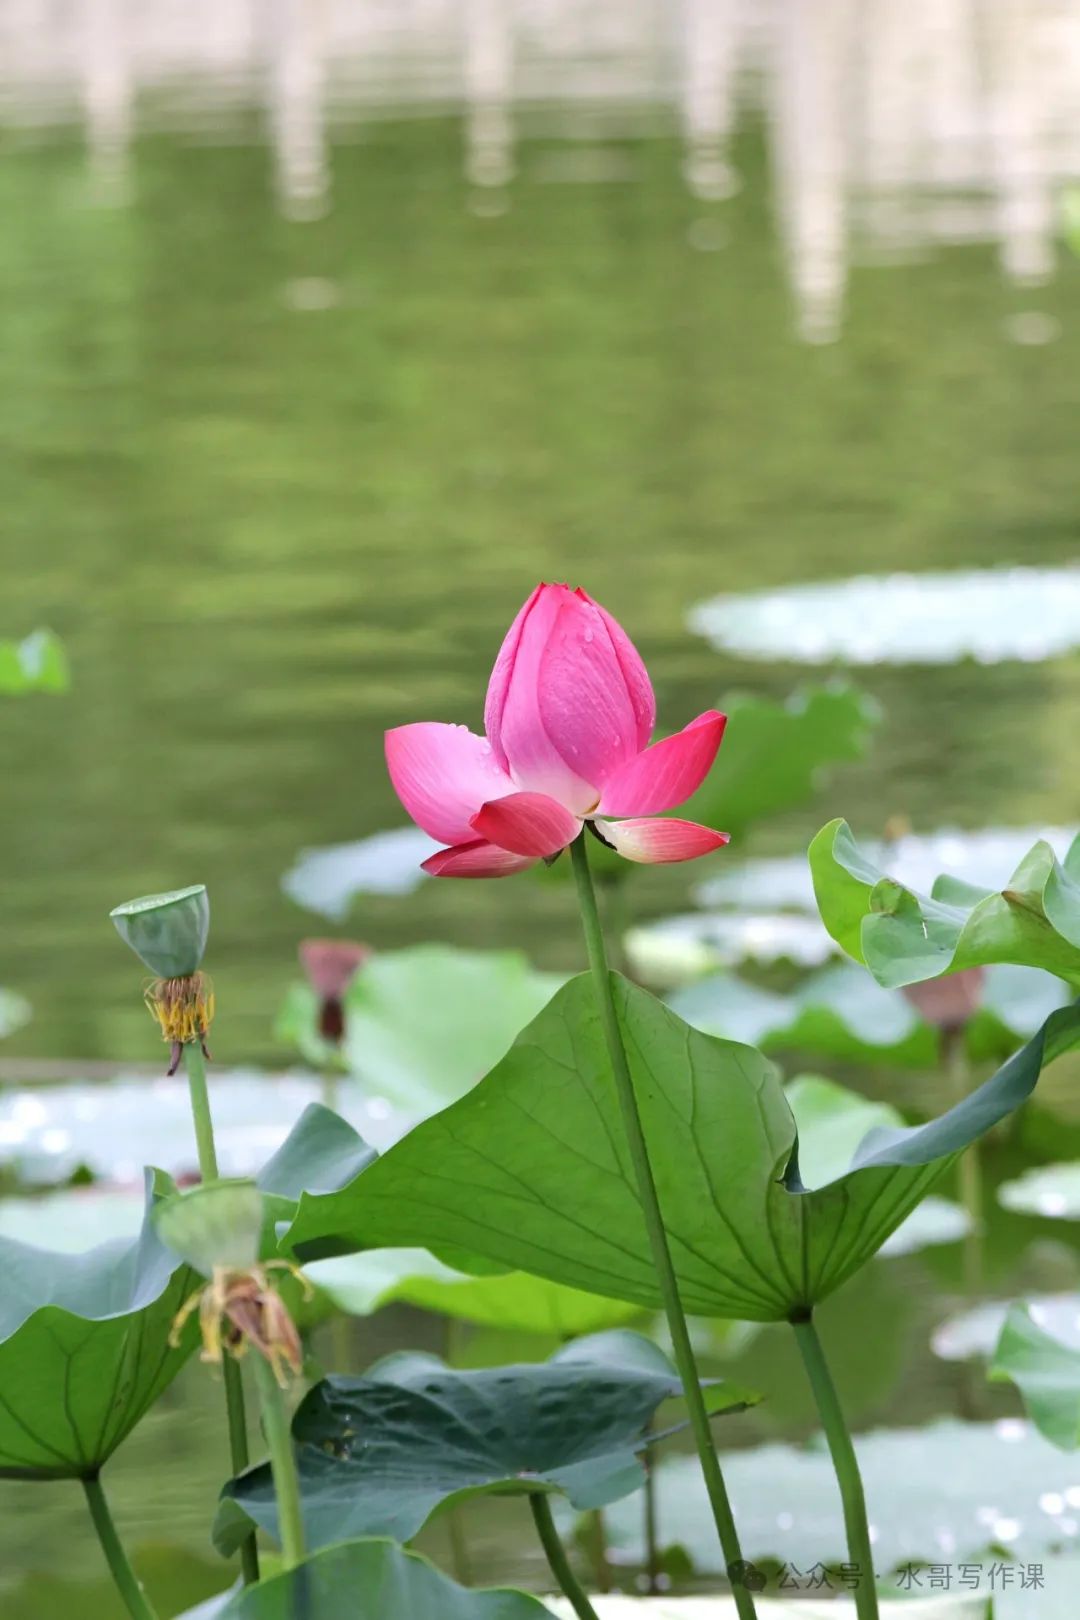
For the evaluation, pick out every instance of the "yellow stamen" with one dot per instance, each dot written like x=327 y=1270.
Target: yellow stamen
x=184 y=1008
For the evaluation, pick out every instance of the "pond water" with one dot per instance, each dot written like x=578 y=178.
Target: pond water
x=280 y=485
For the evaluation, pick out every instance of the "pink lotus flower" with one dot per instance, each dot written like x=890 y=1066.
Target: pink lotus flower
x=569 y=714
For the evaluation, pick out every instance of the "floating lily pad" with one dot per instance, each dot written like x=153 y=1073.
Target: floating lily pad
x=934 y=1221
x=14 y=1012
x=946 y=1493
x=1046 y=1370
x=73 y=1219
x=363 y=1283
x=842 y=1012
x=328 y=880
x=530 y=1169
x=989 y=614
x=379 y=1455
x=116 y=1128
x=904 y=937
x=38 y=664
x=676 y=950
x=84 y=1350
x=369 y=1580
x=1052 y=1190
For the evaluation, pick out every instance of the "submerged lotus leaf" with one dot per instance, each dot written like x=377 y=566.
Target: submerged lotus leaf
x=842 y=1012
x=1046 y=1370
x=679 y=950
x=84 y=1350
x=167 y=932
x=363 y=1283
x=370 y=1580
x=378 y=1455
x=904 y=937
x=36 y=664
x=531 y=1170
x=989 y=614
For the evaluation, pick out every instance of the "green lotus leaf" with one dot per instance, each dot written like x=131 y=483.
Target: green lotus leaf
x=379 y=1455
x=530 y=1169
x=904 y=937
x=775 y=755
x=84 y=1349
x=1047 y=1373
x=37 y=664
x=423 y=1024
x=842 y=1012
x=370 y=1580
x=363 y=1283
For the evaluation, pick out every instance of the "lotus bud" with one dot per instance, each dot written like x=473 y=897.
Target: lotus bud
x=330 y=966
x=168 y=933
x=951 y=1001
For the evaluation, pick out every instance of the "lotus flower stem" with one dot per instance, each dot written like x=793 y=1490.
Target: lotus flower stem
x=654 y=1222
x=127 y=1582
x=557 y=1559
x=846 y=1465
x=282 y=1464
x=195 y=1065
x=969 y=1169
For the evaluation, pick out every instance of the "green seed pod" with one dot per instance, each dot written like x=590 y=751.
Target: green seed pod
x=217 y=1224
x=167 y=931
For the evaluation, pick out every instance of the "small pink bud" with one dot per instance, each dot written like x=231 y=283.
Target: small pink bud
x=951 y=1001
x=332 y=964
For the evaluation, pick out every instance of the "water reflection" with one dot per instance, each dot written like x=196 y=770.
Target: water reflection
x=891 y=130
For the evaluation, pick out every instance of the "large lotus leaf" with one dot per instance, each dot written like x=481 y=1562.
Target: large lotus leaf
x=378 y=1455
x=373 y=1580
x=84 y=1350
x=1046 y=1370
x=774 y=755
x=842 y=1012
x=904 y=937
x=363 y=1283
x=423 y=1024
x=947 y=1493
x=38 y=664
x=531 y=1170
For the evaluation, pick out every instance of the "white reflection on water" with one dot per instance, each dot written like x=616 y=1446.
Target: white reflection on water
x=892 y=128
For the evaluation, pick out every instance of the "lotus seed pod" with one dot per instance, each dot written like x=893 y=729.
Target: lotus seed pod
x=215 y=1226
x=167 y=931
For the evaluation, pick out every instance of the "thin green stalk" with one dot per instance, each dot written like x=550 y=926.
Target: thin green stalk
x=846 y=1465
x=127 y=1582
x=557 y=1559
x=275 y=1421
x=969 y=1169
x=651 y=1527
x=195 y=1065
x=654 y=1222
